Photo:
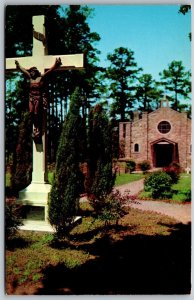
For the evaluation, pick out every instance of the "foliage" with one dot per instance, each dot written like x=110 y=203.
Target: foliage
x=113 y=208
x=148 y=93
x=12 y=219
x=174 y=173
x=184 y=9
x=22 y=163
x=100 y=180
x=18 y=41
x=131 y=164
x=181 y=191
x=67 y=183
x=176 y=82
x=159 y=184
x=144 y=165
x=122 y=74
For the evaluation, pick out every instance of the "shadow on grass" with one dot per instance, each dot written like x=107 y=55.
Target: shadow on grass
x=86 y=237
x=136 y=264
x=16 y=242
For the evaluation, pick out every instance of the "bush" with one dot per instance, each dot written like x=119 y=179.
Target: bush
x=173 y=172
x=21 y=171
x=114 y=204
x=144 y=165
x=131 y=165
x=100 y=178
x=159 y=184
x=12 y=219
x=67 y=183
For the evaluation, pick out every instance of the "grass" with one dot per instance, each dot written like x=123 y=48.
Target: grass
x=181 y=190
x=120 y=179
x=8 y=179
x=94 y=259
x=127 y=178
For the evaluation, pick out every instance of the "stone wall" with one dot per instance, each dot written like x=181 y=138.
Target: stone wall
x=144 y=132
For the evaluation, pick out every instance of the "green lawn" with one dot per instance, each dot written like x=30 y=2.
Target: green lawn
x=127 y=178
x=181 y=190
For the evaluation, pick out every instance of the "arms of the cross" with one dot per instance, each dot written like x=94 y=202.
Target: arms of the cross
x=39 y=57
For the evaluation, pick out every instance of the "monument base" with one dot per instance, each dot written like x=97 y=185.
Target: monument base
x=34 y=202
x=34 y=198
x=30 y=225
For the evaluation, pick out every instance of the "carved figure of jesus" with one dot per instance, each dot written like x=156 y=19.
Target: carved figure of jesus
x=37 y=95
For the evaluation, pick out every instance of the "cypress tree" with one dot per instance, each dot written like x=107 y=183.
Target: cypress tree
x=22 y=161
x=67 y=183
x=100 y=179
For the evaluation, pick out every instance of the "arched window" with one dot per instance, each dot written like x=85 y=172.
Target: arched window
x=136 y=147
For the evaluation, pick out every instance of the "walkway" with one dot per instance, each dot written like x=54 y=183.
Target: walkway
x=181 y=212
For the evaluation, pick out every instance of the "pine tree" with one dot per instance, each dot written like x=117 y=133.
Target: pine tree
x=122 y=74
x=80 y=39
x=67 y=183
x=176 y=82
x=100 y=178
x=148 y=93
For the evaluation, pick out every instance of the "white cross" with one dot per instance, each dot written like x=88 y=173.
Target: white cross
x=42 y=61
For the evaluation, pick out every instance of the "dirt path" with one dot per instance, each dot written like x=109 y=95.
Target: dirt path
x=181 y=212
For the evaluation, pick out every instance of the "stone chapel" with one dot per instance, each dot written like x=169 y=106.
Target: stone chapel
x=160 y=137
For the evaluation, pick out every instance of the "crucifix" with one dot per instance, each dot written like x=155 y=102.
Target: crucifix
x=43 y=62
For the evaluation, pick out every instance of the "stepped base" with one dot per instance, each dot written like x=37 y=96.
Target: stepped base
x=34 y=198
x=44 y=226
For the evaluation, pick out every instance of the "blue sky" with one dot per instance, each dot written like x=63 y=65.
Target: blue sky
x=157 y=34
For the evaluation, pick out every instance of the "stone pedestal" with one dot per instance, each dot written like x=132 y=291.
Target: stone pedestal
x=36 y=195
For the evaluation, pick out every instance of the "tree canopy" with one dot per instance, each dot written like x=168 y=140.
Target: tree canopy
x=176 y=82
x=122 y=74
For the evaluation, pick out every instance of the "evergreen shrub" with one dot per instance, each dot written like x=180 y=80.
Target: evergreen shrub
x=131 y=164
x=22 y=164
x=144 y=165
x=12 y=219
x=159 y=184
x=100 y=178
x=67 y=182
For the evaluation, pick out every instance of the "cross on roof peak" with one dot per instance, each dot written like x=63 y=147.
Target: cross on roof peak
x=164 y=101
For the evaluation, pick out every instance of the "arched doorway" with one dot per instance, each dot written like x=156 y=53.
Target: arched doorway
x=164 y=152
